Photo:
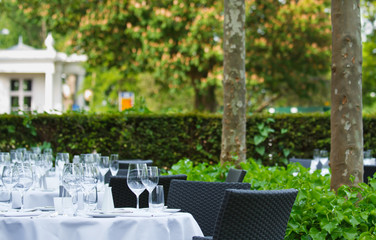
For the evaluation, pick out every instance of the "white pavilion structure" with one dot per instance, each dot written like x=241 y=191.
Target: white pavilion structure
x=41 y=80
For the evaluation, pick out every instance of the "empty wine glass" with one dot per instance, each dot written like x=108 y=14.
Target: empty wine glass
x=104 y=166
x=61 y=159
x=114 y=164
x=9 y=178
x=89 y=182
x=134 y=179
x=72 y=176
x=25 y=179
x=324 y=158
x=150 y=178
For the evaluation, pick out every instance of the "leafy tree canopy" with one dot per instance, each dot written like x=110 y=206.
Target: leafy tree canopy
x=180 y=43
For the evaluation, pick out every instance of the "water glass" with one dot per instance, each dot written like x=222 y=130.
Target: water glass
x=156 y=201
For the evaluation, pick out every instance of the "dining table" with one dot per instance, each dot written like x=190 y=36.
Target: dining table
x=137 y=225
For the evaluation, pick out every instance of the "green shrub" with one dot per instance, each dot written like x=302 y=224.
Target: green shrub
x=165 y=138
x=318 y=213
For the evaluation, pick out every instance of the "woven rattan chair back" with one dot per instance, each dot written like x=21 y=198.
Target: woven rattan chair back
x=235 y=175
x=201 y=199
x=254 y=214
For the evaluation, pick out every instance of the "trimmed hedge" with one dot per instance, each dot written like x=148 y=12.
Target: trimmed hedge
x=169 y=138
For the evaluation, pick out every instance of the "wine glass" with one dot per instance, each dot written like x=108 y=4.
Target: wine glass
x=61 y=159
x=72 y=176
x=324 y=158
x=9 y=178
x=150 y=178
x=114 y=164
x=89 y=182
x=134 y=179
x=25 y=179
x=104 y=166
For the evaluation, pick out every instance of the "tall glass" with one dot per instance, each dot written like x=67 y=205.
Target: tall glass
x=114 y=164
x=134 y=179
x=72 y=176
x=89 y=182
x=25 y=179
x=150 y=178
x=9 y=177
x=61 y=160
x=104 y=166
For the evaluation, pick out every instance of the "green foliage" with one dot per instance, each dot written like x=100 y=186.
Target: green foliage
x=169 y=138
x=180 y=43
x=318 y=213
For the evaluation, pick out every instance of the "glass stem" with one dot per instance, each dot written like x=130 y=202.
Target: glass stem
x=137 y=202
x=22 y=200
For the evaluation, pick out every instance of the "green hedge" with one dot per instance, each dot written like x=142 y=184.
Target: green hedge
x=169 y=138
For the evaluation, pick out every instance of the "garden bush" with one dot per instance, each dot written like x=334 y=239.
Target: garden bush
x=166 y=138
x=318 y=213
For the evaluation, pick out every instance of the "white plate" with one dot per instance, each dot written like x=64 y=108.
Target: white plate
x=21 y=214
x=171 y=210
x=102 y=215
x=47 y=208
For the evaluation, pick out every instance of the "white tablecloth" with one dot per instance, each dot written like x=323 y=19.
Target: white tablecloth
x=177 y=226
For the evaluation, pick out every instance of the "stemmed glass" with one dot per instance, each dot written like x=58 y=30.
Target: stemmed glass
x=324 y=159
x=104 y=166
x=25 y=179
x=150 y=178
x=61 y=159
x=134 y=179
x=89 y=182
x=114 y=164
x=72 y=175
x=9 y=178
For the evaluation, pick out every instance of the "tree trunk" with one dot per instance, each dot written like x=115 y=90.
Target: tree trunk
x=234 y=101
x=346 y=153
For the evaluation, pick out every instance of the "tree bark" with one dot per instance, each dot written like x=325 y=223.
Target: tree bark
x=346 y=153
x=234 y=101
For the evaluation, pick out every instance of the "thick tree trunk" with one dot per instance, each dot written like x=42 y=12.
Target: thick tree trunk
x=234 y=115
x=346 y=153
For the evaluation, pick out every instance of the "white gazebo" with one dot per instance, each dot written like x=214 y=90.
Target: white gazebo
x=41 y=80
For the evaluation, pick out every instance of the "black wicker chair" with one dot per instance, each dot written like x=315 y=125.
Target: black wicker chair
x=121 y=172
x=124 y=197
x=253 y=214
x=201 y=199
x=235 y=175
x=369 y=170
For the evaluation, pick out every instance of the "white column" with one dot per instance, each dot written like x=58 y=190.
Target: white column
x=80 y=97
x=48 y=92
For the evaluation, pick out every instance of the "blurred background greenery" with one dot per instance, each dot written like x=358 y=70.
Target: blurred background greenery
x=169 y=53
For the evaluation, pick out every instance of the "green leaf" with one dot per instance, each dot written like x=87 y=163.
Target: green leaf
x=284 y=130
x=286 y=152
x=329 y=226
x=354 y=222
x=258 y=139
x=350 y=233
x=316 y=234
x=260 y=150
